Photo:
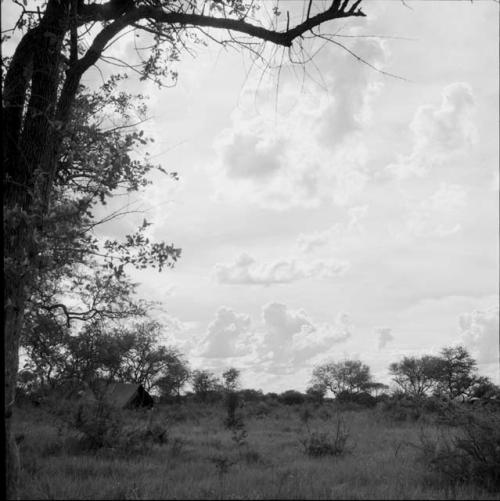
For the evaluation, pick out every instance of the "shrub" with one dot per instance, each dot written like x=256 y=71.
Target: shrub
x=328 y=444
x=363 y=399
x=232 y=403
x=260 y=409
x=140 y=440
x=400 y=407
x=471 y=453
x=291 y=397
x=99 y=425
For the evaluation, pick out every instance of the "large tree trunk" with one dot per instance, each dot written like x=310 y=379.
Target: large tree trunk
x=13 y=319
x=29 y=151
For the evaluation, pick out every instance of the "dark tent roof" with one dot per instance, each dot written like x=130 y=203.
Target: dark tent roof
x=127 y=395
x=122 y=395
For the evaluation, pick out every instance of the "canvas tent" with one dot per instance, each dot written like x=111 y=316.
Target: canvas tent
x=127 y=395
x=121 y=395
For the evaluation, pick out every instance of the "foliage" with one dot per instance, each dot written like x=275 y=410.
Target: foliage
x=204 y=383
x=175 y=378
x=99 y=351
x=415 y=376
x=334 y=443
x=292 y=397
x=455 y=372
x=348 y=375
x=471 y=454
x=230 y=379
x=99 y=425
x=362 y=398
x=452 y=374
x=316 y=393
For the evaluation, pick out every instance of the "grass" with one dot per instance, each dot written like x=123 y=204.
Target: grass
x=201 y=460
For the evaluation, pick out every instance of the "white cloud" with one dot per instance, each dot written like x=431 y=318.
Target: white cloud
x=290 y=337
x=246 y=270
x=228 y=335
x=384 y=336
x=305 y=148
x=495 y=181
x=439 y=132
x=438 y=215
x=480 y=333
x=337 y=234
x=249 y=155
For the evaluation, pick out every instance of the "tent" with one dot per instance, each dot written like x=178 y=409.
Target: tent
x=121 y=395
x=127 y=395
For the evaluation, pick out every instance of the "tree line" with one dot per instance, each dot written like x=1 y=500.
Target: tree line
x=57 y=359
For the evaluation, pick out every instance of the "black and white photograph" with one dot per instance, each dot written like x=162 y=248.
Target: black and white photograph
x=251 y=249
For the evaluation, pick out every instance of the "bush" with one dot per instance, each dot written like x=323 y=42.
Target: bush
x=471 y=454
x=318 y=444
x=232 y=403
x=362 y=399
x=99 y=425
x=400 y=407
x=260 y=409
x=292 y=397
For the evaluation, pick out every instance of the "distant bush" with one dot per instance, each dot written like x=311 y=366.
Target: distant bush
x=249 y=395
x=401 y=407
x=471 y=454
x=292 y=397
x=363 y=398
x=232 y=403
x=259 y=409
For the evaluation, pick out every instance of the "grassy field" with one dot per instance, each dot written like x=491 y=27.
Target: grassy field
x=190 y=454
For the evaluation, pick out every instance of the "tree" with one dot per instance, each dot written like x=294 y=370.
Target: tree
x=316 y=392
x=455 y=372
x=146 y=362
x=176 y=376
x=351 y=376
x=230 y=379
x=40 y=86
x=415 y=376
x=204 y=383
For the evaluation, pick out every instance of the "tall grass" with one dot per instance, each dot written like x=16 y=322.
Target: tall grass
x=199 y=458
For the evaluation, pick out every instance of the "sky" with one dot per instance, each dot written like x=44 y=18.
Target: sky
x=330 y=210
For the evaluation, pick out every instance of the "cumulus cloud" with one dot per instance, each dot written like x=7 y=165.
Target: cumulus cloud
x=309 y=153
x=437 y=215
x=290 y=337
x=246 y=270
x=228 y=335
x=284 y=341
x=439 y=131
x=337 y=234
x=248 y=155
x=479 y=331
x=384 y=336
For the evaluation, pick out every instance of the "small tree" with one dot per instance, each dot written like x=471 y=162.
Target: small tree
x=351 y=376
x=316 y=392
x=416 y=376
x=177 y=375
x=147 y=362
x=204 y=382
x=230 y=379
